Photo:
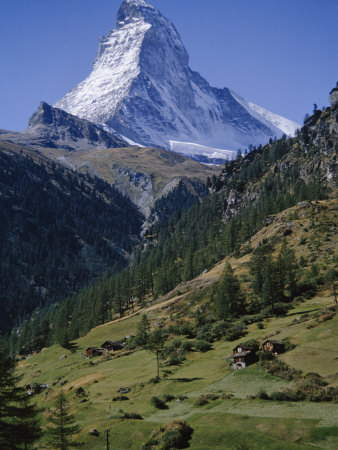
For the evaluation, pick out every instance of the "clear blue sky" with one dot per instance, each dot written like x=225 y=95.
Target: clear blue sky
x=280 y=54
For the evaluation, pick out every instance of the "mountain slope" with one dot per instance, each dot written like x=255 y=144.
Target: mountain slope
x=246 y=196
x=202 y=373
x=54 y=128
x=145 y=175
x=59 y=230
x=142 y=87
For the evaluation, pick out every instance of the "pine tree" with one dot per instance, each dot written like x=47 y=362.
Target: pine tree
x=155 y=345
x=19 y=425
x=229 y=299
x=62 y=425
x=143 y=328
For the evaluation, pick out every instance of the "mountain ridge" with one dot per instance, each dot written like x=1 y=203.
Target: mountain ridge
x=142 y=87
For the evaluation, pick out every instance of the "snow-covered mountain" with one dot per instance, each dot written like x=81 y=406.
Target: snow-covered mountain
x=142 y=87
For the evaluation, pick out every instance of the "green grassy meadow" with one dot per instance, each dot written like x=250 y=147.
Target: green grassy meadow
x=233 y=421
x=219 y=424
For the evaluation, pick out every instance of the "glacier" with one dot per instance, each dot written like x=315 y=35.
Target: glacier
x=142 y=88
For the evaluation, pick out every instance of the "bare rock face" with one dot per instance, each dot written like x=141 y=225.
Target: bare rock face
x=334 y=96
x=142 y=87
x=69 y=132
x=137 y=186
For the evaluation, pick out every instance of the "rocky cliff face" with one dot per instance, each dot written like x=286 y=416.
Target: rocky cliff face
x=142 y=87
x=302 y=167
x=66 y=131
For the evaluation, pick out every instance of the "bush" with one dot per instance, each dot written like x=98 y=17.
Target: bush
x=288 y=345
x=279 y=309
x=168 y=397
x=266 y=356
x=120 y=398
x=173 y=435
x=211 y=396
x=202 y=346
x=260 y=326
x=187 y=346
x=235 y=332
x=170 y=440
x=132 y=416
x=158 y=403
x=175 y=360
x=262 y=394
x=200 y=401
x=226 y=395
x=279 y=368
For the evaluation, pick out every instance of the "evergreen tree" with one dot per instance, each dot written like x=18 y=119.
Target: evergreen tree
x=19 y=425
x=62 y=425
x=155 y=345
x=229 y=299
x=143 y=328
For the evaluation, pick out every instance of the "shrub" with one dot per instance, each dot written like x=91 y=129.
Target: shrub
x=200 y=401
x=175 y=360
x=266 y=356
x=187 y=346
x=202 y=346
x=211 y=396
x=205 y=336
x=171 y=439
x=288 y=345
x=235 y=332
x=132 y=416
x=315 y=379
x=119 y=398
x=262 y=394
x=158 y=403
x=173 y=435
x=168 y=397
x=278 y=368
x=186 y=330
x=226 y=395
x=260 y=326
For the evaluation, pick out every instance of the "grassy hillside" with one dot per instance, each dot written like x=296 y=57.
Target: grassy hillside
x=236 y=419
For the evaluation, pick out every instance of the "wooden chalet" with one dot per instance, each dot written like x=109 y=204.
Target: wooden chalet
x=276 y=347
x=35 y=388
x=243 y=356
x=94 y=351
x=112 y=345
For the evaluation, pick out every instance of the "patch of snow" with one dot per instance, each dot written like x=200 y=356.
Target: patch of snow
x=98 y=97
x=190 y=148
x=280 y=123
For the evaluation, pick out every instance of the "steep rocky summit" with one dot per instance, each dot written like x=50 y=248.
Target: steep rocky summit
x=142 y=87
x=69 y=132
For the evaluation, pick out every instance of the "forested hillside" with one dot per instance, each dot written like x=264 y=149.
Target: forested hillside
x=59 y=230
x=241 y=201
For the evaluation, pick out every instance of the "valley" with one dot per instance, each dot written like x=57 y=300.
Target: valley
x=168 y=261
x=220 y=423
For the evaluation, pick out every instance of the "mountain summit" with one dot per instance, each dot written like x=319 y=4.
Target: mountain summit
x=142 y=87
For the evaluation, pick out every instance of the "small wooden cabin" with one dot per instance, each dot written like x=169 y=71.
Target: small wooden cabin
x=112 y=345
x=276 y=347
x=243 y=356
x=94 y=351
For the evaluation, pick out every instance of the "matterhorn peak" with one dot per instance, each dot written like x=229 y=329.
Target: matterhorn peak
x=142 y=87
